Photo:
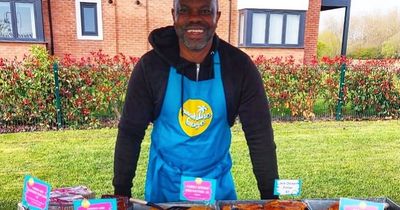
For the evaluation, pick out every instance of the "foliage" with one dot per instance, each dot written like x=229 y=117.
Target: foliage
x=90 y=88
x=328 y=45
x=290 y=85
x=370 y=86
x=366 y=53
x=93 y=86
x=26 y=90
x=371 y=35
x=389 y=50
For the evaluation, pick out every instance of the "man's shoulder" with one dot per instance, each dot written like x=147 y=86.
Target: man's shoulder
x=152 y=58
x=232 y=51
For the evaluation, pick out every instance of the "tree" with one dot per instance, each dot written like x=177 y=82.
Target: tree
x=328 y=44
x=375 y=34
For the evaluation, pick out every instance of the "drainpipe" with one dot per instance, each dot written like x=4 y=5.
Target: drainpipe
x=51 y=28
x=229 y=21
x=116 y=25
x=147 y=23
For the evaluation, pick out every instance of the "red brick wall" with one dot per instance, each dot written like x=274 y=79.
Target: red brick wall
x=311 y=31
x=65 y=35
x=126 y=26
x=9 y=50
x=298 y=54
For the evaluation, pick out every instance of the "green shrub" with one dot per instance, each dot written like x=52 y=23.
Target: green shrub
x=94 y=87
x=26 y=90
x=366 y=53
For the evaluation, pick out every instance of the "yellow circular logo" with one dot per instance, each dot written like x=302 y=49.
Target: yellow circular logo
x=85 y=203
x=197 y=116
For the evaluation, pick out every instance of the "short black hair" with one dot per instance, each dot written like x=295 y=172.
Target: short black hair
x=175 y=5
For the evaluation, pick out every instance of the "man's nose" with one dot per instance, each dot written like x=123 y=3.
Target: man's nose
x=194 y=16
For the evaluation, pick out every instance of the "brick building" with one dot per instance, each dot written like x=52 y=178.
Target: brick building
x=270 y=28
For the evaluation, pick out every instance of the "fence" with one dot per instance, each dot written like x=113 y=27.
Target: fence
x=41 y=92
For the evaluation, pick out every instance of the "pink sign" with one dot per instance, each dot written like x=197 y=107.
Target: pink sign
x=197 y=191
x=359 y=208
x=36 y=194
x=98 y=206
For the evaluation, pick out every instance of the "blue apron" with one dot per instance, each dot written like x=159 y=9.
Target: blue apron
x=191 y=142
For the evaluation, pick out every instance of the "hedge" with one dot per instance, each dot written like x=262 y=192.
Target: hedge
x=92 y=88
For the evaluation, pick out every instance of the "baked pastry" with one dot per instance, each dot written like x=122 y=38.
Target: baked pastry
x=285 y=205
x=334 y=206
x=185 y=208
x=200 y=208
x=271 y=205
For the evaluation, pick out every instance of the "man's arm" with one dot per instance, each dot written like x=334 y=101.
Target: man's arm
x=256 y=123
x=135 y=118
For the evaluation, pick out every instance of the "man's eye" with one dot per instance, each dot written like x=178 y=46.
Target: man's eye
x=205 y=12
x=182 y=11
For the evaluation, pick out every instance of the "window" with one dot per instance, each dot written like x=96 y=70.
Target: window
x=21 y=20
x=271 y=28
x=88 y=19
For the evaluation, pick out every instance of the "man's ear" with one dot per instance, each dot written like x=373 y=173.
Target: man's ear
x=218 y=16
x=173 y=14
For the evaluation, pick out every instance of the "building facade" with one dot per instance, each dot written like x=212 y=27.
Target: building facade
x=77 y=27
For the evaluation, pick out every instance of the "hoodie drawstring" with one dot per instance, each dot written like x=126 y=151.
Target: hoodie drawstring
x=182 y=75
x=197 y=77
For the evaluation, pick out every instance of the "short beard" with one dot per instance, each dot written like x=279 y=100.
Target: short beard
x=194 y=45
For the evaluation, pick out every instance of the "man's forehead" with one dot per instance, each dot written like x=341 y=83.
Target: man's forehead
x=196 y=2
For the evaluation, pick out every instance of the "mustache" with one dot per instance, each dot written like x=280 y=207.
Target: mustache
x=195 y=26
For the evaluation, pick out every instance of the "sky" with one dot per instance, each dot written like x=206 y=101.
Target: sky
x=360 y=7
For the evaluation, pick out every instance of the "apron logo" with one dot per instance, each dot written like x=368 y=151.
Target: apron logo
x=197 y=116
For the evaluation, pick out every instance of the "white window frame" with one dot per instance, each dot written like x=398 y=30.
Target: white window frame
x=79 y=23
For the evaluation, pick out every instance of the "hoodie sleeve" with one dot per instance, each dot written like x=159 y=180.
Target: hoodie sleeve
x=256 y=123
x=135 y=118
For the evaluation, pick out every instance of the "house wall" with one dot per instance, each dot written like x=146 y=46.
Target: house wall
x=305 y=54
x=10 y=50
x=311 y=31
x=65 y=32
x=126 y=26
x=298 y=54
x=281 y=4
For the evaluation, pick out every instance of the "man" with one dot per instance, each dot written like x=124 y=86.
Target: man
x=192 y=86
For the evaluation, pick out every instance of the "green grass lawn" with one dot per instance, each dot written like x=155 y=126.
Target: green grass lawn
x=333 y=159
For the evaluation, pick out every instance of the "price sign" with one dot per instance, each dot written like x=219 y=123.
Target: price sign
x=287 y=187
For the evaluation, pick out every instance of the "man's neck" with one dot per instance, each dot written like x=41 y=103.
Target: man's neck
x=194 y=56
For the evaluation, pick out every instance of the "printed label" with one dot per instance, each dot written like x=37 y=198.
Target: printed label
x=197 y=189
x=287 y=187
x=352 y=204
x=96 y=204
x=36 y=193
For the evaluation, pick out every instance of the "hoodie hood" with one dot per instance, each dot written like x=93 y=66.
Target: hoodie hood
x=165 y=43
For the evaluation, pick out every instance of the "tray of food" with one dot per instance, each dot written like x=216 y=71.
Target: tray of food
x=261 y=205
x=174 y=206
x=333 y=204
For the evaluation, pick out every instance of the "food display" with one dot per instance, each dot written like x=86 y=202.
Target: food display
x=62 y=198
x=334 y=206
x=267 y=205
x=185 y=208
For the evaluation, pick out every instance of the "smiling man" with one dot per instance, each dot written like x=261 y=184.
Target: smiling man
x=192 y=86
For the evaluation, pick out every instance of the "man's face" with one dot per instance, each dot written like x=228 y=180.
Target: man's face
x=195 y=22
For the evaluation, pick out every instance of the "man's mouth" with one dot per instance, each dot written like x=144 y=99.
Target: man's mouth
x=195 y=31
